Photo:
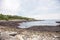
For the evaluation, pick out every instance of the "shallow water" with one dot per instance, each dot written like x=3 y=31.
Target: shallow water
x=38 y=23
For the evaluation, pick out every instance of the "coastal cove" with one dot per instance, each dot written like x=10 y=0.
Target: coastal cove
x=32 y=25
x=9 y=30
x=38 y=23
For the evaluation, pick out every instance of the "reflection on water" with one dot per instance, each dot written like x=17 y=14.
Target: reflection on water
x=38 y=23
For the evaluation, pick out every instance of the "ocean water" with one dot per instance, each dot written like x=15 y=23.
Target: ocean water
x=38 y=23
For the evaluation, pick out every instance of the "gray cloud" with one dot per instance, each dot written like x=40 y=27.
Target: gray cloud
x=35 y=8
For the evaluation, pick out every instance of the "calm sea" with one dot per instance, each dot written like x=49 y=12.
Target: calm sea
x=38 y=23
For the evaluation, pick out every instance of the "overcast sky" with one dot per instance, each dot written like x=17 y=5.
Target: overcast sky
x=39 y=9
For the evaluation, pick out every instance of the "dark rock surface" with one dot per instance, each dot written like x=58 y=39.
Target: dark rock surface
x=10 y=23
x=58 y=22
x=45 y=28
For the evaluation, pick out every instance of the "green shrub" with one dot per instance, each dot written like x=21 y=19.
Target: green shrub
x=9 y=17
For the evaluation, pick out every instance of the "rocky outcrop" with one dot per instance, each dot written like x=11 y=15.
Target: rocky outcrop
x=29 y=35
x=45 y=28
x=12 y=24
x=9 y=32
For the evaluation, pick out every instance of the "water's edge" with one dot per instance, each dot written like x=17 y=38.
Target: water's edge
x=38 y=23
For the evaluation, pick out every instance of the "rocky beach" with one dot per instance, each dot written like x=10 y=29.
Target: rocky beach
x=29 y=19
x=10 y=31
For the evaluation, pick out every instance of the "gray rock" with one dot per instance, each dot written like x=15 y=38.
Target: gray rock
x=27 y=35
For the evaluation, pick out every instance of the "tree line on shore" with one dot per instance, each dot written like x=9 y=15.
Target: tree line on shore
x=10 y=17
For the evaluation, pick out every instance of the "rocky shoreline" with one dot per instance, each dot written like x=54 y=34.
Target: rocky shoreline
x=10 y=31
x=12 y=24
x=29 y=35
x=45 y=28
